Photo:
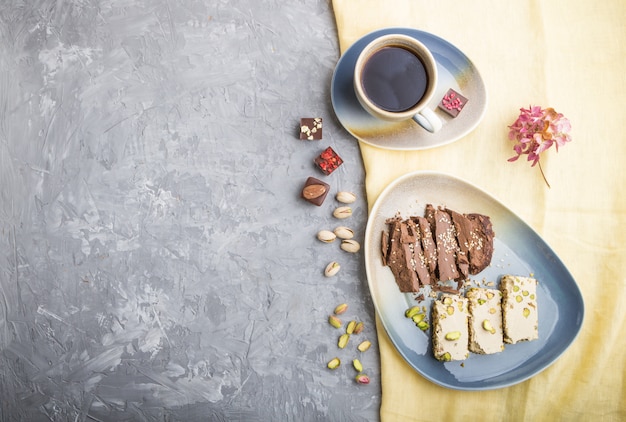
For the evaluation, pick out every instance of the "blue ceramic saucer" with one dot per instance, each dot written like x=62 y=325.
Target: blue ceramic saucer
x=455 y=71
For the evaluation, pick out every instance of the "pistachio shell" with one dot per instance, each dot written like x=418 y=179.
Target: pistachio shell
x=343 y=232
x=345 y=197
x=350 y=245
x=332 y=269
x=342 y=212
x=326 y=236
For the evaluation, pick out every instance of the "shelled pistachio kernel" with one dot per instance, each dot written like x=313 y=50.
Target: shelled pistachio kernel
x=334 y=363
x=453 y=335
x=526 y=312
x=345 y=197
x=342 y=212
x=450 y=309
x=334 y=321
x=418 y=318
x=359 y=327
x=350 y=245
x=350 y=327
x=362 y=379
x=357 y=365
x=364 y=346
x=423 y=325
x=343 y=341
x=326 y=236
x=332 y=269
x=412 y=311
x=343 y=232
x=446 y=357
x=488 y=327
x=340 y=309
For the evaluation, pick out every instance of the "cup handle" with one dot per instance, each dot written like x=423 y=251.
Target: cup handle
x=427 y=119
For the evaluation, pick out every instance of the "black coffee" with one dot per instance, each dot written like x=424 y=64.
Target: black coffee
x=394 y=79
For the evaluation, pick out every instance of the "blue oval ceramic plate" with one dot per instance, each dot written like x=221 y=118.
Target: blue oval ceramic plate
x=455 y=71
x=517 y=250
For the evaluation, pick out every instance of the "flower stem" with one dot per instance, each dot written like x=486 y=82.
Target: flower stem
x=543 y=175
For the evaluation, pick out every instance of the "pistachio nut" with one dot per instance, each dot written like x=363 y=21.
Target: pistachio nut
x=350 y=245
x=362 y=379
x=334 y=321
x=423 y=325
x=364 y=346
x=343 y=232
x=359 y=327
x=357 y=365
x=334 y=363
x=488 y=327
x=446 y=357
x=342 y=212
x=345 y=197
x=412 y=311
x=326 y=236
x=332 y=269
x=350 y=327
x=526 y=312
x=418 y=318
x=340 y=309
x=453 y=335
x=343 y=341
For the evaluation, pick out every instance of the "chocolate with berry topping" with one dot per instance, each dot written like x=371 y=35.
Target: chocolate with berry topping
x=328 y=161
x=452 y=103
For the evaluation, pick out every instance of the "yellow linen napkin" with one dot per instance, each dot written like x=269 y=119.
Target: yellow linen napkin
x=569 y=55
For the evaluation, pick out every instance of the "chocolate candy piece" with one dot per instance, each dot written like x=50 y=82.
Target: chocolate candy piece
x=315 y=191
x=452 y=103
x=311 y=128
x=328 y=161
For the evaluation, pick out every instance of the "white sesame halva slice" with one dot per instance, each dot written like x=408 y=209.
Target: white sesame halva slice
x=450 y=329
x=519 y=308
x=485 y=320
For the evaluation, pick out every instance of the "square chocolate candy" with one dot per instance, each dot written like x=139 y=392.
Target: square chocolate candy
x=311 y=128
x=452 y=103
x=328 y=161
x=315 y=191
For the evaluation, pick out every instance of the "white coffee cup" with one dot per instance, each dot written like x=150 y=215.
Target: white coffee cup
x=395 y=77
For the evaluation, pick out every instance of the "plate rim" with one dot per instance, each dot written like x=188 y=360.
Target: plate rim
x=368 y=238
x=413 y=32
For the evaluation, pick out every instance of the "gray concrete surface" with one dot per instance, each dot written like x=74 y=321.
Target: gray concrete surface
x=157 y=263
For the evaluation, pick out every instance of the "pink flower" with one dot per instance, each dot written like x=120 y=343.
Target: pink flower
x=536 y=130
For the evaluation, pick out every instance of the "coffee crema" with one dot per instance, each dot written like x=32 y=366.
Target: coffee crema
x=394 y=79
